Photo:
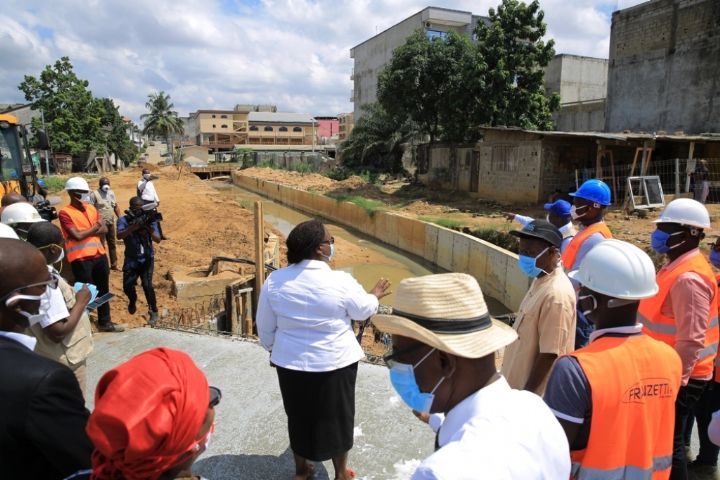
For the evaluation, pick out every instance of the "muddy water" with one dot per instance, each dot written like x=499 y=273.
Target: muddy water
x=387 y=262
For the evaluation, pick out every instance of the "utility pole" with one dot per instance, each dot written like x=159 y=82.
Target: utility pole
x=45 y=152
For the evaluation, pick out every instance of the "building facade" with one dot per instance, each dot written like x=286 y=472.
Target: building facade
x=664 y=64
x=581 y=83
x=345 y=125
x=327 y=129
x=374 y=53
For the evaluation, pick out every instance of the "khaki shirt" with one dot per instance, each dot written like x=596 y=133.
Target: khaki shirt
x=75 y=347
x=105 y=203
x=545 y=323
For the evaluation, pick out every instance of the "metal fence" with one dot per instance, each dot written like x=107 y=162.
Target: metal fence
x=676 y=177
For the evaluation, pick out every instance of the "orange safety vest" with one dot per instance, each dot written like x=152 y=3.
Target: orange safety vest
x=634 y=381
x=664 y=328
x=570 y=253
x=83 y=220
x=716 y=377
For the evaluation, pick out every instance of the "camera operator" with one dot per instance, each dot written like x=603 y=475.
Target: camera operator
x=138 y=229
x=146 y=191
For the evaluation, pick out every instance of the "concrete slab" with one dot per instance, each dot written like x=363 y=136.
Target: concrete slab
x=250 y=440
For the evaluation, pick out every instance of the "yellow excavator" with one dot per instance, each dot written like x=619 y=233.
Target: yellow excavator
x=17 y=171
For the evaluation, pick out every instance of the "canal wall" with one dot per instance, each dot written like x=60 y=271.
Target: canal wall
x=495 y=268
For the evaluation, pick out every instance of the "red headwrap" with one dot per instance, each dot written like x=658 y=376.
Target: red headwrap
x=148 y=412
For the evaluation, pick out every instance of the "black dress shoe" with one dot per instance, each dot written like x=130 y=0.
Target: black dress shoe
x=111 y=327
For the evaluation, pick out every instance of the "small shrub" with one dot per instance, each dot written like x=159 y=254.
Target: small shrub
x=337 y=174
x=55 y=183
x=451 y=223
x=497 y=237
x=371 y=206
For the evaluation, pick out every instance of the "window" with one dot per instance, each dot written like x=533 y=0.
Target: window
x=223 y=116
x=213 y=123
x=253 y=128
x=268 y=129
x=213 y=115
x=297 y=129
x=504 y=159
x=223 y=126
x=283 y=129
x=433 y=34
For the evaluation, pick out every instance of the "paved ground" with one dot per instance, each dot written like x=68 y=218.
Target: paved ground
x=250 y=441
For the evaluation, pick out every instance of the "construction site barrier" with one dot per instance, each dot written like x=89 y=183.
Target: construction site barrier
x=495 y=268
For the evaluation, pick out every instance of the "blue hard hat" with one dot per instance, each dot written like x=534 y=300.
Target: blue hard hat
x=594 y=190
x=561 y=208
x=41 y=182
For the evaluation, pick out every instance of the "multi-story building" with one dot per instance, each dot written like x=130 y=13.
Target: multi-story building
x=374 y=53
x=581 y=83
x=327 y=129
x=278 y=128
x=218 y=129
x=345 y=125
x=664 y=64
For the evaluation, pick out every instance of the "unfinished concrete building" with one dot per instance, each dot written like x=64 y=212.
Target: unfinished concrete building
x=374 y=53
x=581 y=83
x=664 y=67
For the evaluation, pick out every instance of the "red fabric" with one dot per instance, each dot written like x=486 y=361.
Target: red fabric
x=147 y=414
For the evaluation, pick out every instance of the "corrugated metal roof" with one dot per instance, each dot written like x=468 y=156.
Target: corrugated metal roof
x=622 y=136
x=279 y=117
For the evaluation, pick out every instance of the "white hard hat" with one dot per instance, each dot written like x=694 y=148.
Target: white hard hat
x=7 y=232
x=617 y=269
x=685 y=211
x=20 y=213
x=77 y=183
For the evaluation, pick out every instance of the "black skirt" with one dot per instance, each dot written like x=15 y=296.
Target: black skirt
x=320 y=407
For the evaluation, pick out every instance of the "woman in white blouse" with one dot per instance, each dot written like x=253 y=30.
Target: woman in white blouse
x=304 y=320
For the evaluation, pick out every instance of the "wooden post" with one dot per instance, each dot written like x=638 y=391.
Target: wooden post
x=687 y=167
x=248 y=320
x=230 y=310
x=259 y=252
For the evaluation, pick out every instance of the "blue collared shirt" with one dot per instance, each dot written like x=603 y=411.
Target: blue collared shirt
x=138 y=245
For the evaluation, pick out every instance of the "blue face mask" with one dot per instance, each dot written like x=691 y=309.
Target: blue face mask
x=659 y=239
x=715 y=258
x=402 y=377
x=332 y=253
x=528 y=264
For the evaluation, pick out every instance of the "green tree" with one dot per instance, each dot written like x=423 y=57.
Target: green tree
x=72 y=118
x=161 y=120
x=375 y=143
x=117 y=132
x=512 y=47
x=428 y=82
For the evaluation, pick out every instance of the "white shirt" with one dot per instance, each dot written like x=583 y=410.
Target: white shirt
x=24 y=340
x=501 y=434
x=148 y=193
x=52 y=305
x=304 y=317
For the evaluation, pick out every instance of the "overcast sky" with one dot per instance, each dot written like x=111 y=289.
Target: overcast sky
x=217 y=53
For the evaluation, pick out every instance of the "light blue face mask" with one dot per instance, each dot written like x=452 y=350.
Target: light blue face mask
x=528 y=264
x=332 y=252
x=402 y=377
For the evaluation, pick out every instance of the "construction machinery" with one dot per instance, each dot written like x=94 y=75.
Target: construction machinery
x=17 y=171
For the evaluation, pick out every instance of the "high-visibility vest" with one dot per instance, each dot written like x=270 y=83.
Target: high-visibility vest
x=664 y=328
x=634 y=381
x=716 y=377
x=570 y=253
x=82 y=220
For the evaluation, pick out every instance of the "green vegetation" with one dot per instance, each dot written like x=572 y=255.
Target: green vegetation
x=497 y=237
x=371 y=206
x=55 y=183
x=444 y=88
x=76 y=122
x=161 y=120
x=451 y=223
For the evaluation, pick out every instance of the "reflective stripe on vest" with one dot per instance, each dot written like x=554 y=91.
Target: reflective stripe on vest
x=623 y=473
x=633 y=409
x=82 y=220
x=664 y=328
x=571 y=251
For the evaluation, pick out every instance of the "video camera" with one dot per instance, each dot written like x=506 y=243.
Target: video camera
x=147 y=217
x=46 y=210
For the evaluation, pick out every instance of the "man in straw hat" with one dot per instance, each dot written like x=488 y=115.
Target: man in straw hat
x=443 y=361
x=615 y=398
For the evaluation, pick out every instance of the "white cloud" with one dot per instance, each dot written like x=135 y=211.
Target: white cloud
x=293 y=53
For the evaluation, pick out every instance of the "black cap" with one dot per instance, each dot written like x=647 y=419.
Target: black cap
x=542 y=230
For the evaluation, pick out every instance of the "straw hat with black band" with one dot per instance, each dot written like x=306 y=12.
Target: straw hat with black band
x=446 y=311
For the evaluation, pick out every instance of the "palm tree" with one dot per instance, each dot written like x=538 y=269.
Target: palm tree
x=162 y=120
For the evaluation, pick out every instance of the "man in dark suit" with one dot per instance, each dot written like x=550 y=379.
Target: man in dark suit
x=42 y=411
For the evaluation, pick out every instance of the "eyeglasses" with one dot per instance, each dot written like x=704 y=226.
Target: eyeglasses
x=331 y=241
x=391 y=358
x=52 y=283
x=215 y=397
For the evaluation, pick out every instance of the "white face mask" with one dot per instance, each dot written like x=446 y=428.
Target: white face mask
x=105 y=188
x=44 y=300
x=574 y=212
x=61 y=255
x=146 y=176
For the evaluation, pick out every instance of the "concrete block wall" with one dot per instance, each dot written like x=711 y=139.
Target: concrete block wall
x=510 y=172
x=495 y=268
